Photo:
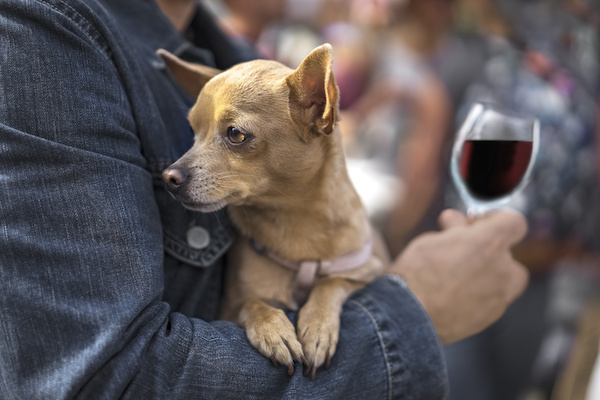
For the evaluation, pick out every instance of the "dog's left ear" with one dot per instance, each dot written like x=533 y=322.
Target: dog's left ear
x=314 y=94
x=191 y=77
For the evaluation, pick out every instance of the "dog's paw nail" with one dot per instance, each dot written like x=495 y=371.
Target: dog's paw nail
x=328 y=361
x=290 y=369
x=273 y=361
x=307 y=370
x=304 y=361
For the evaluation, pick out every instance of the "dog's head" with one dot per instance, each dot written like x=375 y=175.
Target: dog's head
x=261 y=130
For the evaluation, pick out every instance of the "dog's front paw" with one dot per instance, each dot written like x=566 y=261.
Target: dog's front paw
x=318 y=331
x=270 y=331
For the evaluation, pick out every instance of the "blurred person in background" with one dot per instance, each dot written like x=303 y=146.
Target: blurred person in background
x=542 y=62
x=401 y=123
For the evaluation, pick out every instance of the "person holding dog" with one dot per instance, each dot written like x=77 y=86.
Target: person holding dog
x=110 y=289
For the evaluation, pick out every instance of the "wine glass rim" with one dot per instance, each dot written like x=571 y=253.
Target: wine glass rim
x=493 y=106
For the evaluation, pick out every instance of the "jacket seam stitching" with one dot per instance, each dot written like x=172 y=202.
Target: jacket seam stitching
x=430 y=327
x=85 y=29
x=381 y=342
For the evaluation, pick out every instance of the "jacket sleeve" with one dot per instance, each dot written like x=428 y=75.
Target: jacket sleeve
x=82 y=257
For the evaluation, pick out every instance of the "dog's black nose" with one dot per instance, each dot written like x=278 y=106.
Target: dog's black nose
x=174 y=177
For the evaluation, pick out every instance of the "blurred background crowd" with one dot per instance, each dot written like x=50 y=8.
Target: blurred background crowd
x=408 y=70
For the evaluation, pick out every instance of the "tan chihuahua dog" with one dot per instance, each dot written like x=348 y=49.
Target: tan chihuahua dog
x=265 y=146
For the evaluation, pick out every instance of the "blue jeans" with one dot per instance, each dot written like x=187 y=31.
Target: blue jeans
x=106 y=289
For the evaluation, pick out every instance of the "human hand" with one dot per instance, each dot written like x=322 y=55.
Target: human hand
x=465 y=276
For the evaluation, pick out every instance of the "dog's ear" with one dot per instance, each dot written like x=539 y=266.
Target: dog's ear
x=314 y=94
x=191 y=77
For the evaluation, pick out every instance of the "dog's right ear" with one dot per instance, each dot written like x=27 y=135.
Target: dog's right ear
x=191 y=77
x=314 y=94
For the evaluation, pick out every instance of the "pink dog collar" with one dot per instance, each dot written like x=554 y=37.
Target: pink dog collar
x=308 y=270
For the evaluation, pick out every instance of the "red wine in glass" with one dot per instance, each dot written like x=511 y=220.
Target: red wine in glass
x=493 y=168
x=492 y=157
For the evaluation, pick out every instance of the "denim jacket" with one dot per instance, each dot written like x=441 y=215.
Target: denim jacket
x=108 y=287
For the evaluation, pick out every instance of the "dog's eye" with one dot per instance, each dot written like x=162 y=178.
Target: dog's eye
x=235 y=136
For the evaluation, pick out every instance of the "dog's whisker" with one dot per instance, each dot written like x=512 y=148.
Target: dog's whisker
x=225 y=175
x=233 y=185
x=222 y=175
x=247 y=217
x=292 y=199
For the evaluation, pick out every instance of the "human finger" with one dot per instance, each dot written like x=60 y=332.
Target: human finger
x=518 y=281
x=507 y=226
x=451 y=218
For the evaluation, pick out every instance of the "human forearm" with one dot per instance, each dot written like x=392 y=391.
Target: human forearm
x=388 y=349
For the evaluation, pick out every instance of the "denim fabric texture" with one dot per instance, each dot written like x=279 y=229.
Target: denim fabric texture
x=102 y=293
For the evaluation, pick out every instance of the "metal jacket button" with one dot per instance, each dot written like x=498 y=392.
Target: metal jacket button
x=198 y=237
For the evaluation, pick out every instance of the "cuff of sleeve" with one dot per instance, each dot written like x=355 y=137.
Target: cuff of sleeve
x=413 y=353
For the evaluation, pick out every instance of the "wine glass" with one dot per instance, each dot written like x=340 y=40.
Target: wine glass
x=493 y=156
